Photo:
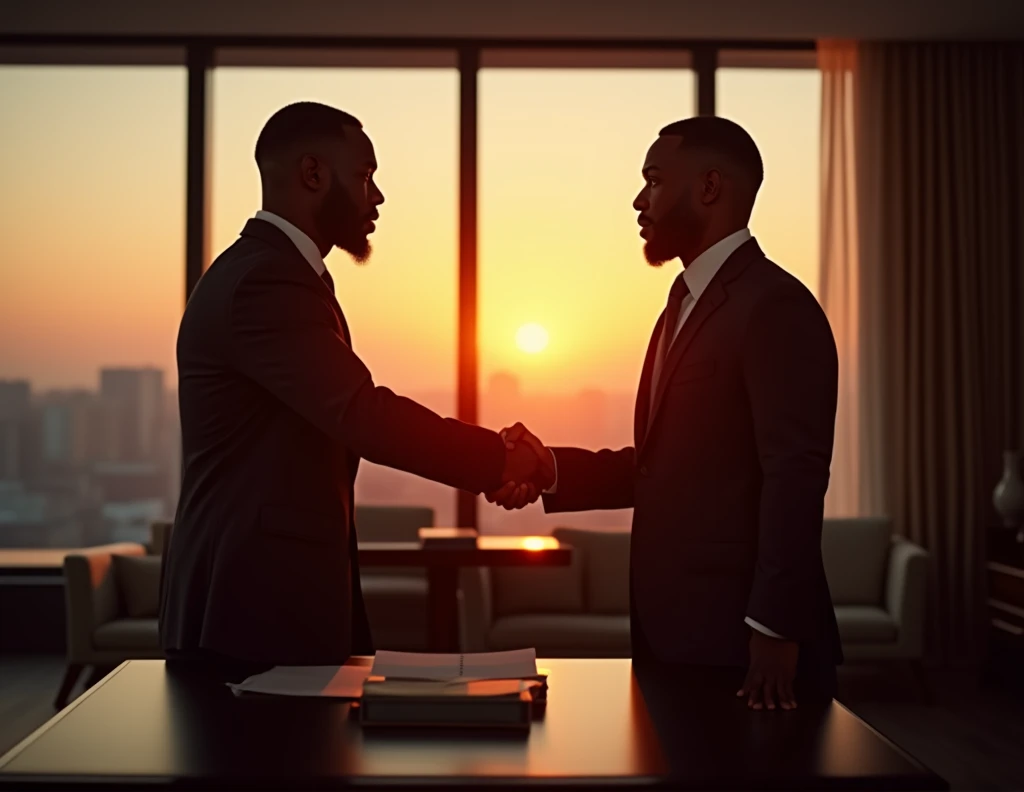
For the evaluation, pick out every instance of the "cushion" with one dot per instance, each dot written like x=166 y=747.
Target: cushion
x=128 y=634
x=606 y=567
x=392 y=524
x=865 y=624
x=538 y=589
x=138 y=578
x=397 y=609
x=856 y=556
x=563 y=635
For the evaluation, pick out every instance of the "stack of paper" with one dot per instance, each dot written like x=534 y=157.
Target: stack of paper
x=518 y=664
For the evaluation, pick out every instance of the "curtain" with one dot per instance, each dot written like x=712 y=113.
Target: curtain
x=929 y=337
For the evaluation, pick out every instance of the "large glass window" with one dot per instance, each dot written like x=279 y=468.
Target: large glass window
x=567 y=302
x=91 y=291
x=401 y=305
x=781 y=109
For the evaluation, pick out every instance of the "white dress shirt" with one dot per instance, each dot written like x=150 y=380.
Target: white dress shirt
x=698 y=275
x=307 y=247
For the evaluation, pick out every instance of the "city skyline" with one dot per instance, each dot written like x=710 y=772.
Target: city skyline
x=92 y=465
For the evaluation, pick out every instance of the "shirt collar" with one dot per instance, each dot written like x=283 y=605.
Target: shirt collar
x=306 y=246
x=704 y=268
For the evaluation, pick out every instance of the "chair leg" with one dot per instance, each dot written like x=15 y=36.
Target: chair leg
x=74 y=670
x=96 y=674
x=924 y=690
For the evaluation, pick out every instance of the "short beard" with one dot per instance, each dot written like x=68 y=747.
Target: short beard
x=338 y=221
x=668 y=235
x=654 y=256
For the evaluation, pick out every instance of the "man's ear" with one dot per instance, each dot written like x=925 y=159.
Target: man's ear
x=711 y=187
x=310 y=168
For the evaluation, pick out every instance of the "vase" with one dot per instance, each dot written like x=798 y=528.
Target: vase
x=1008 y=497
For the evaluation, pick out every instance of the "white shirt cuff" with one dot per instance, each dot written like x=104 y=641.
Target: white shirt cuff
x=762 y=629
x=553 y=489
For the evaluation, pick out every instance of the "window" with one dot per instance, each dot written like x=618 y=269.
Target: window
x=91 y=293
x=781 y=109
x=401 y=305
x=560 y=159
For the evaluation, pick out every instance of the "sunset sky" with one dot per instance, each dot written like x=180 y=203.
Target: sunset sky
x=92 y=211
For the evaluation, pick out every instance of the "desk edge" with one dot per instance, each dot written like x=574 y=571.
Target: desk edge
x=13 y=754
x=898 y=748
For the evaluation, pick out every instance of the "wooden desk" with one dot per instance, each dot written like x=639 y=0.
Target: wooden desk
x=145 y=726
x=443 y=567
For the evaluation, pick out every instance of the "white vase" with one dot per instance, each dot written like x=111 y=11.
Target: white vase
x=1008 y=497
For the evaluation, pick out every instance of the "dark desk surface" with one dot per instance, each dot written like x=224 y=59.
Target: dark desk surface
x=605 y=726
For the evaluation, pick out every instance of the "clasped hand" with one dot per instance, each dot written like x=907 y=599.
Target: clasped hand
x=529 y=469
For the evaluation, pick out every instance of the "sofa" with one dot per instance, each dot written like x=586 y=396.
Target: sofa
x=112 y=595
x=581 y=610
x=877 y=581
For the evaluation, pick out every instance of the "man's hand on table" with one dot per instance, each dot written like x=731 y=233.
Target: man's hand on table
x=771 y=673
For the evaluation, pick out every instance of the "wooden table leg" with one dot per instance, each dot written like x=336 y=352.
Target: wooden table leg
x=442 y=609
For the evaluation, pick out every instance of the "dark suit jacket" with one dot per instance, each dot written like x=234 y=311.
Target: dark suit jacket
x=276 y=411
x=728 y=479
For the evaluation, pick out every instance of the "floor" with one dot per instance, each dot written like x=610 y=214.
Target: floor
x=972 y=736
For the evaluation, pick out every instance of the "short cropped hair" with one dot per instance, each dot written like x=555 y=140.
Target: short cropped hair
x=298 y=122
x=723 y=137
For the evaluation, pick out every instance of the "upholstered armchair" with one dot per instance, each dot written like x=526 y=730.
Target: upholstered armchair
x=112 y=596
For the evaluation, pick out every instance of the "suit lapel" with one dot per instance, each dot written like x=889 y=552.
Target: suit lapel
x=274 y=236
x=712 y=298
x=708 y=303
x=642 y=411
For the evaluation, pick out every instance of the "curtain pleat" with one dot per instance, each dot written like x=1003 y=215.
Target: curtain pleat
x=936 y=138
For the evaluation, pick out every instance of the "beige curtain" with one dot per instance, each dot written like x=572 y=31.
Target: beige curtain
x=924 y=300
x=839 y=289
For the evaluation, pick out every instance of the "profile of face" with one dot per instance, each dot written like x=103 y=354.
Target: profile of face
x=345 y=194
x=675 y=203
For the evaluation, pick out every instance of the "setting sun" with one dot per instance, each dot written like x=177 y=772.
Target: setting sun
x=532 y=338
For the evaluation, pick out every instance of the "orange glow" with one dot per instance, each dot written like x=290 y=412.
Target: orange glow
x=539 y=543
x=94 y=271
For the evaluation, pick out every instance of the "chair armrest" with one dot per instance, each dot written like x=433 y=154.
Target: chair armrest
x=475 y=608
x=906 y=592
x=90 y=594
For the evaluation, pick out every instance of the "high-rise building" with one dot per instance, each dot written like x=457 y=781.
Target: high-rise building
x=132 y=407
x=15 y=417
x=65 y=426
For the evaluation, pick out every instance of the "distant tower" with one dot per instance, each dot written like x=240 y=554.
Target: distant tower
x=15 y=417
x=503 y=386
x=132 y=403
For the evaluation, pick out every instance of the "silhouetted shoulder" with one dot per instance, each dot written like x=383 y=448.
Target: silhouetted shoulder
x=780 y=298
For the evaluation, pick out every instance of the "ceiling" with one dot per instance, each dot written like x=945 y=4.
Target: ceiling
x=775 y=20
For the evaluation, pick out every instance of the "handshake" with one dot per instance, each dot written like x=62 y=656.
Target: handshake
x=529 y=469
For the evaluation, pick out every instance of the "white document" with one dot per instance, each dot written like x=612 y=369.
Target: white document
x=516 y=664
x=330 y=681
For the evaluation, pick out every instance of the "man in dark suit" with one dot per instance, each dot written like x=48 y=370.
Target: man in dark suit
x=733 y=437
x=276 y=412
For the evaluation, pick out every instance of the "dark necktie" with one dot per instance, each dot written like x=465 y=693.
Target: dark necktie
x=328 y=280
x=326 y=277
x=673 y=309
